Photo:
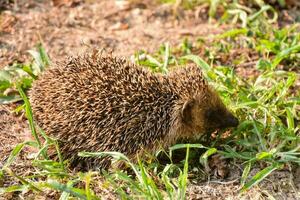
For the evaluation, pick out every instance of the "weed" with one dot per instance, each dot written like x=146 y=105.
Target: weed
x=21 y=75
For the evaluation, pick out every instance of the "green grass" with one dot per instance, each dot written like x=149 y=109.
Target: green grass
x=22 y=75
x=267 y=104
x=235 y=12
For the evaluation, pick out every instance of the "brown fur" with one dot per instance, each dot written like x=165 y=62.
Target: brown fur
x=102 y=103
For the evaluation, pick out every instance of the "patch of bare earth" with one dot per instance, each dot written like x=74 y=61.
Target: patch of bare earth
x=69 y=28
x=13 y=130
x=283 y=184
x=66 y=30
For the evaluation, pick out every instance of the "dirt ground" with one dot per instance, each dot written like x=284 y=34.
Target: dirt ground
x=68 y=30
x=72 y=27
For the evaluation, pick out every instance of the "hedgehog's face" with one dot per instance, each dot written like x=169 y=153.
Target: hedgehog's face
x=207 y=113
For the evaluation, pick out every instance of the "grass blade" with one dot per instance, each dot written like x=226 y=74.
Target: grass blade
x=245 y=173
x=29 y=115
x=260 y=176
x=198 y=61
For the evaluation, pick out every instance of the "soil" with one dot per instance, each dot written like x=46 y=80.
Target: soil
x=123 y=28
x=69 y=27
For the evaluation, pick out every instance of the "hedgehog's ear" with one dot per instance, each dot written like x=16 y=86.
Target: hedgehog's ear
x=186 y=111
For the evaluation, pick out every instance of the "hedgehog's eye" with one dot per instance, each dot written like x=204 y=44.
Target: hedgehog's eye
x=213 y=115
x=208 y=114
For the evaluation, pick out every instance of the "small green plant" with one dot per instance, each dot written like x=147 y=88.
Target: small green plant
x=22 y=75
x=246 y=14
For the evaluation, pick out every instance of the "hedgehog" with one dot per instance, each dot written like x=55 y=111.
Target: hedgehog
x=97 y=103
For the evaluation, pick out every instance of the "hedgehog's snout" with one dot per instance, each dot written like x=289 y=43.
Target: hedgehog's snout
x=230 y=121
x=221 y=118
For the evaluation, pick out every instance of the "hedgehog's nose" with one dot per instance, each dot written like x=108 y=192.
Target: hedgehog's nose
x=230 y=121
